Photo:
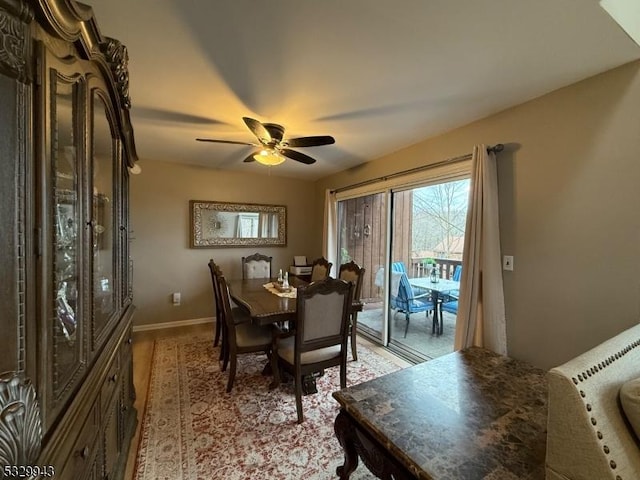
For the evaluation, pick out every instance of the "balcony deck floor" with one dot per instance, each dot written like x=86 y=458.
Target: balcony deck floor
x=419 y=340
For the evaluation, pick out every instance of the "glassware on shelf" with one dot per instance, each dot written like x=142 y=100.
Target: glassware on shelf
x=66 y=315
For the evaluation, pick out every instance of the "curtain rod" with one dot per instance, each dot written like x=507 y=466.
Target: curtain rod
x=495 y=149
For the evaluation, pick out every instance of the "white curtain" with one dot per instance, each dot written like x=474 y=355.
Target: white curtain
x=264 y=226
x=330 y=238
x=481 y=318
x=268 y=225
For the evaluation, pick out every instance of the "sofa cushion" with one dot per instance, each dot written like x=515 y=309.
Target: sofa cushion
x=630 y=399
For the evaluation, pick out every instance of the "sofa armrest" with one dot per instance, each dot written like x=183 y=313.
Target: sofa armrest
x=588 y=436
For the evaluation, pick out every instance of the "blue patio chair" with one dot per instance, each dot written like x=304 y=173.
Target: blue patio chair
x=451 y=306
x=450 y=300
x=398 y=267
x=457 y=273
x=405 y=300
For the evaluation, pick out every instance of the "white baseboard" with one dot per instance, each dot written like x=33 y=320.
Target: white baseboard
x=177 y=323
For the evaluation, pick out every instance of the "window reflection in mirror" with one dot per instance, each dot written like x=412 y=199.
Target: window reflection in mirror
x=243 y=225
x=229 y=224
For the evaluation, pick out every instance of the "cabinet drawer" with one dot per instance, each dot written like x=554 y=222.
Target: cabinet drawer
x=82 y=456
x=110 y=383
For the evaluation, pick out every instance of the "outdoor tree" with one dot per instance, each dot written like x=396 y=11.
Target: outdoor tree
x=439 y=216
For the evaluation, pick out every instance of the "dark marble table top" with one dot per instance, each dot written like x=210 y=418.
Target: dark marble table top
x=467 y=415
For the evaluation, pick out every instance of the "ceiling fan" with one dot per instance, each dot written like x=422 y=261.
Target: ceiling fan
x=273 y=147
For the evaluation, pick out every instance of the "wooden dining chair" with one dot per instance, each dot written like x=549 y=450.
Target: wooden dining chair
x=239 y=314
x=242 y=337
x=256 y=266
x=320 y=269
x=352 y=272
x=218 y=314
x=319 y=336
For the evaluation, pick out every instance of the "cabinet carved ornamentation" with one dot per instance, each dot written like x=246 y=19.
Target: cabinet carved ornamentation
x=118 y=58
x=14 y=39
x=20 y=426
x=67 y=396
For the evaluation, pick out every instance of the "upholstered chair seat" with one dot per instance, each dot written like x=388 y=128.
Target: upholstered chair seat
x=286 y=349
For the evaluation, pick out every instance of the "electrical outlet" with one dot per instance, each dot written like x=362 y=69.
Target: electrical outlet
x=176 y=298
x=507 y=262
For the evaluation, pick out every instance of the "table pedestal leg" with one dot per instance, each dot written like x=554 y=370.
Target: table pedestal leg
x=438 y=327
x=309 y=385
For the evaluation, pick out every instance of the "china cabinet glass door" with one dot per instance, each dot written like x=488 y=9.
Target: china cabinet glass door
x=65 y=212
x=103 y=217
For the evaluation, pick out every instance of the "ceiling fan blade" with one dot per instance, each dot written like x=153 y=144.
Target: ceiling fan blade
x=258 y=129
x=224 y=141
x=315 y=141
x=299 y=157
x=250 y=158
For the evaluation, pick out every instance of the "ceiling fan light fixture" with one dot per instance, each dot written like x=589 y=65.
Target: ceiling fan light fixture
x=274 y=148
x=268 y=157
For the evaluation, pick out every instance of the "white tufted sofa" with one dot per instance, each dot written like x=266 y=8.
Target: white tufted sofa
x=588 y=436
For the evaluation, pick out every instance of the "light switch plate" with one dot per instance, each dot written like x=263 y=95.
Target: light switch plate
x=507 y=262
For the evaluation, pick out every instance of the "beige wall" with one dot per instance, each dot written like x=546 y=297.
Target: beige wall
x=163 y=261
x=569 y=185
x=568 y=197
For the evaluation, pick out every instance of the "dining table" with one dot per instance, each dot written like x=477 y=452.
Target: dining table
x=264 y=306
x=267 y=306
x=438 y=290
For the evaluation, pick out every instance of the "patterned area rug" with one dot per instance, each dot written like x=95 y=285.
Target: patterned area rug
x=192 y=429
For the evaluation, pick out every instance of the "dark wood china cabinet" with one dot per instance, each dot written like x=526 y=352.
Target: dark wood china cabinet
x=66 y=388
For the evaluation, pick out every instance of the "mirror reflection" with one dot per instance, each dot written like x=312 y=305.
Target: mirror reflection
x=242 y=225
x=231 y=224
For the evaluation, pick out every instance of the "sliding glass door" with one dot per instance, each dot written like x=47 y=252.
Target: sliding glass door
x=401 y=236
x=427 y=243
x=362 y=234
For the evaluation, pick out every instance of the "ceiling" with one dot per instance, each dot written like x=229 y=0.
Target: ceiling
x=378 y=75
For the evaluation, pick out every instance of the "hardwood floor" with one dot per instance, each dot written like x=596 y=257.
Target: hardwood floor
x=143 y=345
